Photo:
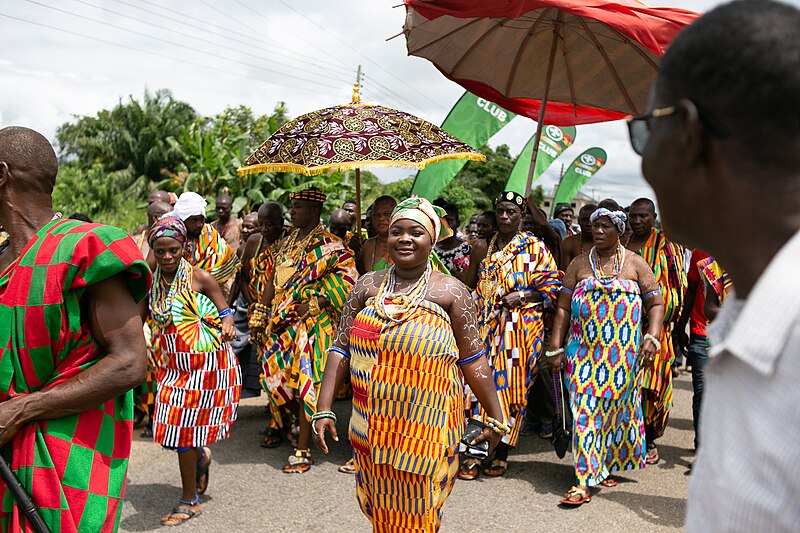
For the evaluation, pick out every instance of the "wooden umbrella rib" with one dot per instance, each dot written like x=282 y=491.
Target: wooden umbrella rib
x=609 y=64
x=513 y=74
x=476 y=43
x=445 y=36
x=632 y=44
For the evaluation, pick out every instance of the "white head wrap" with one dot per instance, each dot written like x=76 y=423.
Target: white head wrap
x=617 y=217
x=189 y=204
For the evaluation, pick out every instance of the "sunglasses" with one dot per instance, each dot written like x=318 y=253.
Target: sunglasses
x=639 y=127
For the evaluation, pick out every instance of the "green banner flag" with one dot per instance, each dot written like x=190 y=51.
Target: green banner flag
x=553 y=141
x=473 y=121
x=579 y=172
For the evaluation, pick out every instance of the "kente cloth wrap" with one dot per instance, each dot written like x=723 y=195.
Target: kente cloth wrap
x=74 y=467
x=424 y=213
x=297 y=347
x=169 y=226
x=395 y=501
x=513 y=339
x=355 y=136
x=408 y=404
x=231 y=231
x=197 y=393
x=666 y=260
x=717 y=278
x=604 y=379
x=211 y=253
x=260 y=266
x=312 y=194
x=145 y=394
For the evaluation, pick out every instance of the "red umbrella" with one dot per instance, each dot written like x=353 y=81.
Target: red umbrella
x=559 y=62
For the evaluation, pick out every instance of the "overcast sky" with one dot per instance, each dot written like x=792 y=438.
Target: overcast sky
x=75 y=57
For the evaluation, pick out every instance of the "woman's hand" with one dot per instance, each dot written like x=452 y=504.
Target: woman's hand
x=488 y=434
x=647 y=353
x=556 y=363
x=228 y=331
x=318 y=429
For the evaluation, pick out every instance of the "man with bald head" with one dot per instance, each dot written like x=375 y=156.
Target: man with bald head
x=155 y=210
x=719 y=146
x=159 y=196
x=71 y=347
x=230 y=228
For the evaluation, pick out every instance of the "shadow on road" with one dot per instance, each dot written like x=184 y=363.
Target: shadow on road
x=659 y=510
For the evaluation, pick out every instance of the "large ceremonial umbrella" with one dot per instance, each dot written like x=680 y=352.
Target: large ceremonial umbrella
x=559 y=62
x=355 y=136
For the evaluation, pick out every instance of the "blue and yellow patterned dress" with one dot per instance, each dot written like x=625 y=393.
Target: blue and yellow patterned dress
x=408 y=415
x=604 y=379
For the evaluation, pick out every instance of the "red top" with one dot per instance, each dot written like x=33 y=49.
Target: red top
x=697 y=320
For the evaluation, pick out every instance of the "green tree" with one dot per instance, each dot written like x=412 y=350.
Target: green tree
x=131 y=135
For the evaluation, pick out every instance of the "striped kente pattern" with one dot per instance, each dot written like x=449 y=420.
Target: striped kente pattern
x=210 y=252
x=295 y=354
x=400 y=502
x=407 y=393
x=514 y=338
x=198 y=393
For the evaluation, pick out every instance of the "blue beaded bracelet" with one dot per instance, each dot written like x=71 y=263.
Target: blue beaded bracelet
x=226 y=312
x=341 y=351
x=471 y=358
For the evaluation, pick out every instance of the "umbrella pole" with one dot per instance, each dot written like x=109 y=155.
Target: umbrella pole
x=358 y=201
x=540 y=123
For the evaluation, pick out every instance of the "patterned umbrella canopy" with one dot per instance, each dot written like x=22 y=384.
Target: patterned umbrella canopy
x=355 y=136
x=197 y=320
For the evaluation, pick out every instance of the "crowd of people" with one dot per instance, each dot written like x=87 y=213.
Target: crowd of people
x=451 y=341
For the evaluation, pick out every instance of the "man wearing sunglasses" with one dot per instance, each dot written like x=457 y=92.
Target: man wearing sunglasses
x=720 y=148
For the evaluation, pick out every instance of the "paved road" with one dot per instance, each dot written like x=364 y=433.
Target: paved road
x=248 y=491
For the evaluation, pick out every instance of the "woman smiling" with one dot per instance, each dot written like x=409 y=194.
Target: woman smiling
x=405 y=333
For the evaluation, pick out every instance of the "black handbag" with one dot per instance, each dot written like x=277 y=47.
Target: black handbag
x=562 y=422
x=475 y=451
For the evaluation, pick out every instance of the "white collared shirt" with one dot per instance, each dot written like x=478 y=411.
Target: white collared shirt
x=747 y=473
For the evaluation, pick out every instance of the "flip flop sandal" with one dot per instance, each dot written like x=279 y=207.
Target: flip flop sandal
x=298 y=463
x=582 y=494
x=609 y=482
x=496 y=468
x=469 y=470
x=177 y=511
x=349 y=467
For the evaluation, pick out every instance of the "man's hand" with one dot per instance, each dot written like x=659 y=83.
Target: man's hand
x=11 y=418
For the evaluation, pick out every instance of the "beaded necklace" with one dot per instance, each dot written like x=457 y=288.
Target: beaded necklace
x=597 y=270
x=293 y=253
x=412 y=297
x=161 y=295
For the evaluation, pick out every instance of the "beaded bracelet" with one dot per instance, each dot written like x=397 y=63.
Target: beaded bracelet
x=654 y=340
x=471 y=358
x=553 y=353
x=226 y=313
x=320 y=416
x=341 y=351
x=501 y=428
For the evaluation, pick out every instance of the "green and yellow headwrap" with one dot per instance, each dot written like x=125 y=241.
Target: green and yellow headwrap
x=429 y=216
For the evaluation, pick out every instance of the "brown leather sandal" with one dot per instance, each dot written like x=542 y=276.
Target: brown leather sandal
x=496 y=468
x=469 y=469
x=576 y=496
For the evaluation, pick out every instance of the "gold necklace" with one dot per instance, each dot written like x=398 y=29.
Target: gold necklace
x=293 y=253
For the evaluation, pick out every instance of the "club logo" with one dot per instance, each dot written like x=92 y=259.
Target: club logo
x=554 y=132
x=588 y=159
